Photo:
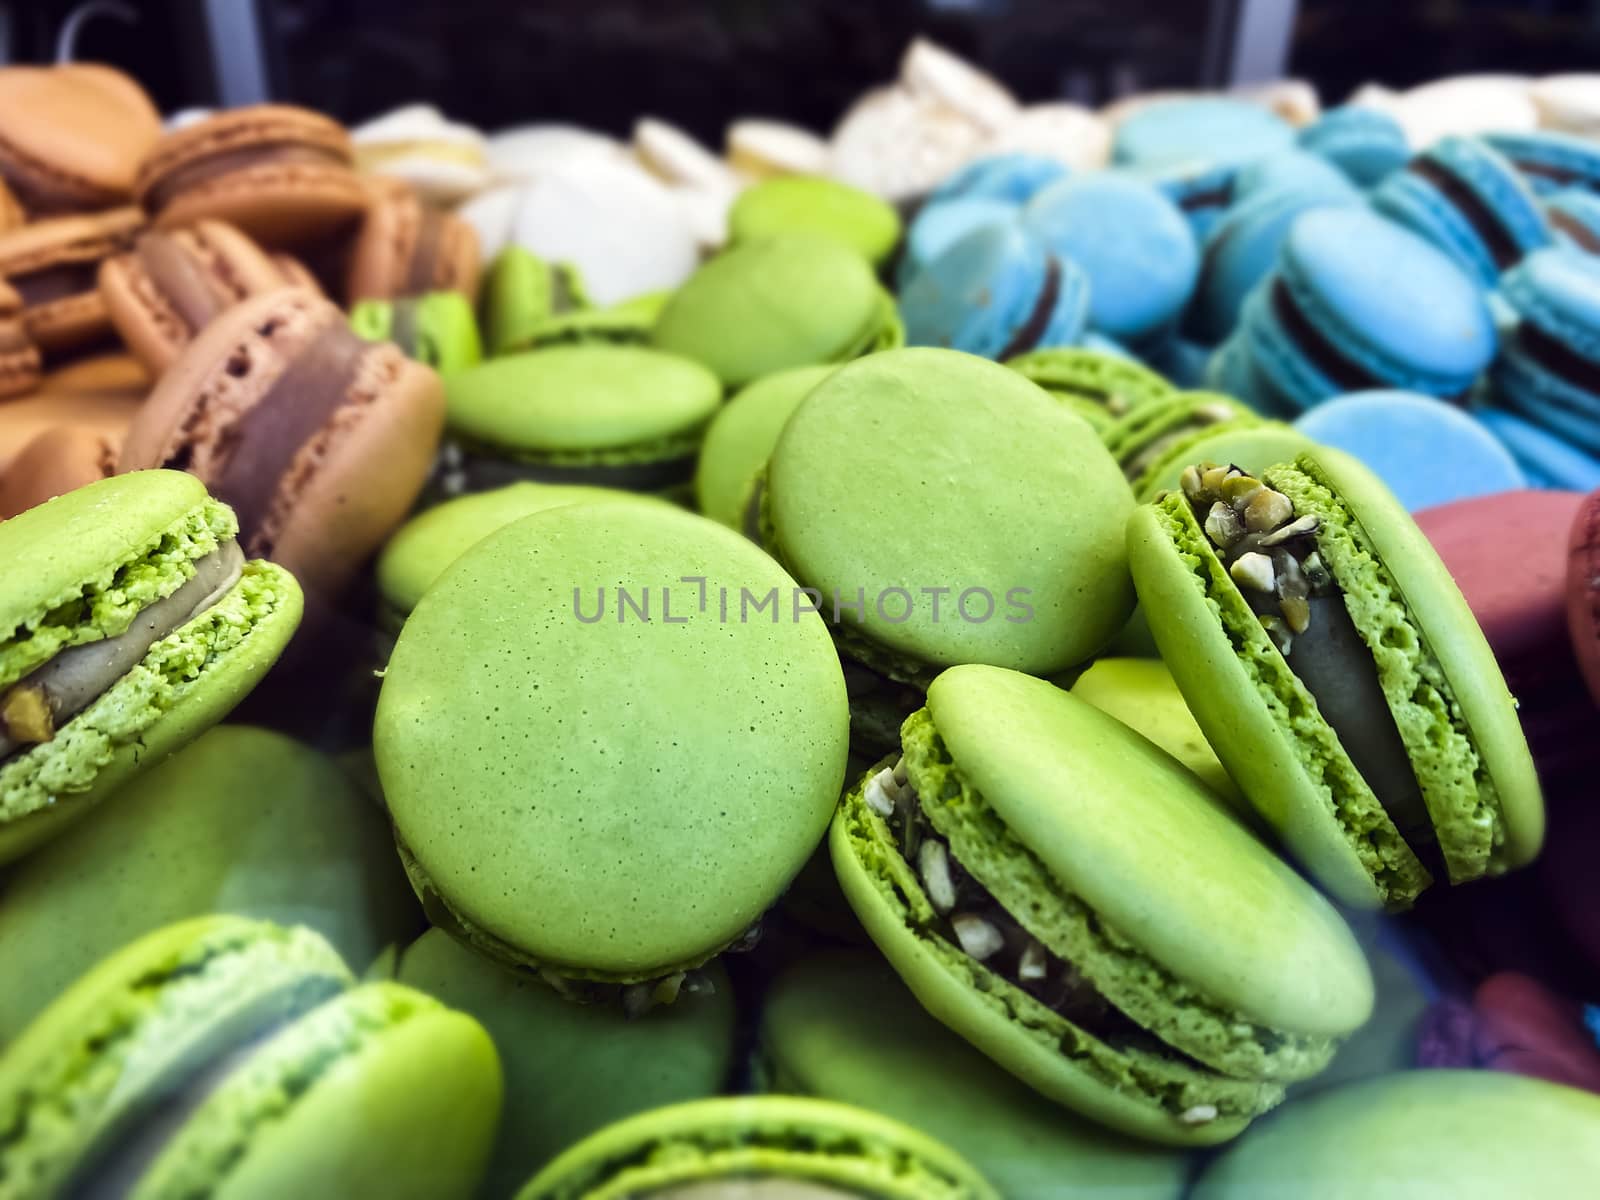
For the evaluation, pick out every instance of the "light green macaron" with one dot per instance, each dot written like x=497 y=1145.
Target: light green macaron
x=571 y=1069
x=1252 y=446
x=812 y=204
x=1101 y=388
x=437 y=328
x=1339 y=675
x=740 y=438
x=759 y=1148
x=520 y=293
x=842 y=1027
x=1070 y=900
x=1144 y=442
x=762 y=306
x=131 y=623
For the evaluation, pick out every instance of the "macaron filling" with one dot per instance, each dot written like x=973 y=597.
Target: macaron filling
x=424 y=261
x=225 y=162
x=1328 y=359
x=1581 y=234
x=1558 y=358
x=33 y=709
x=658 y=466
x=1496 y=237
x=193 y=293
x=56 y=282
x=1296 y=555
x=1033 y=329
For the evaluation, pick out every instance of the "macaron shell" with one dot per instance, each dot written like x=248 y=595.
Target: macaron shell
x=101 y=414
x=380 y=261
x=1467 y=1135
x=80 y=317
x=54 y=463
x=1583 y=591
x=740 y=439
x=1116 y=822
x=980 y=293
x=807 y=203
x=80 y=132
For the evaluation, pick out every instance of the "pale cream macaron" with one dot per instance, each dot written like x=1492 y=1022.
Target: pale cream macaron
x=765 y=149
x=444 y=160
x=1568 y=103
x=1068 y=133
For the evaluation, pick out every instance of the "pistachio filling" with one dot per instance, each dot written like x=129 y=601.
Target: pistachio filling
x=36 y=706
x=1271 y=553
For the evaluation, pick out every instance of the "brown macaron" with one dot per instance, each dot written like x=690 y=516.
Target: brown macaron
x=54 y=265
x=320 y=441
x=407 y=248
x=173 y=282
x=282 y=174
x=58 y=461
x=106 y=414
x=72 y=137
x=19 y=357
x=12 y=215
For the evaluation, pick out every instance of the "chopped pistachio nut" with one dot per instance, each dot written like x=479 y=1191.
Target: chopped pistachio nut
x=1223 y=526
x=934 y=865
x=1267 y=510
x=977 y=937
x=1200 y=1114
x=26 y=716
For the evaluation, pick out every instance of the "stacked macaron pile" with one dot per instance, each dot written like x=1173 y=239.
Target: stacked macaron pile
x=889 y=666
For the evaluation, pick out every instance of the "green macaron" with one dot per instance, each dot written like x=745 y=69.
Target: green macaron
x=608 y=416
x=843 y=1027
x=424 y=546
x=1420 y=1135
x=132 y=623
x=759 y=1148
x=1071 y=900
x=1141 y=693
x=740 y=438
x=762 y=306
x=812 y=204
x=437 y=328
x=1339 y=675
x=965 y=515
x=520 y=292
x=603 y=760
x=571 y=1069
x=1252 y=446
x=243 y=821
x=625 y=323
x=1144 y=442
x=1101 y=388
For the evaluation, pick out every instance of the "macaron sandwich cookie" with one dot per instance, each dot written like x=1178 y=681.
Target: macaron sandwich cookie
x=1339 y=675
x=437 y=329
x=793 y=300
x=319 y=440
x=406 y=248
x=740 y=439
x=1146 y=443
x=1463 y=196
x=611 y=416
x=1550 y=161
x=1367 y=144
x=760 y=1148
x=282 y=174
x=1549 y=368
x=997 y=292
x=1070 y=900
x=134 y=623
x=60 y=459
x=1100 y=387
x=169 y=286
x=520 y=293
x=646 y=837
x=810 y=204
x=54 y=265
x=229 y=1057
x=19 y=356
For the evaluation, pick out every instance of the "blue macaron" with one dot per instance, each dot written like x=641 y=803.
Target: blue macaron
x=1549 y=369
x=1365 y=143
x=1546 y=460
x=937 y=227
x=1466 y=198
x=1551 y=161
x=1214 y=127
x=1574 y=216
x=1131 y=241
x=1292 y=170
x=1242 y=251
x=1231 y=371
x=998 y=292
x=1183 y=362
x=1427 y=451
x=1358 y=303
x=1013 y=178
x=1201 y=189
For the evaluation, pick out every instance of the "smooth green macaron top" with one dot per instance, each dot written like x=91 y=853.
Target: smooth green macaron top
x=569 y=401
x=741 y=437
x=812 y=204
x=793 y=300
x=607 y=796
x=571 y=1069
x=243 y=820
x=843 y=1027
x=1420 y=1135
x=438 y=328
x=759 y=1146
x=926 y=469
x=424 y=546
x=1444 y=768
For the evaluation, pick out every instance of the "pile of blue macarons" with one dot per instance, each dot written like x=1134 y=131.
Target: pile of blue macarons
x=1434 y=310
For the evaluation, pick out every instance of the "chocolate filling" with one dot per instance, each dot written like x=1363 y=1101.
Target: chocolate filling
x=1555 y=174
x=425 y=254
x=1560 y=360
x=1575 y=229
x=265 y=439
x=1218 y=197
x=1032 y=330
x=1324 y=355
x=33 y=708
x=57 y=283
x=192 y=291
x=214 y=166
x=482 y=473
x=1497 y=239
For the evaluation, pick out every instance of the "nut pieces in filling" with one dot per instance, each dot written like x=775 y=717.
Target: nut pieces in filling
x=1269 y=552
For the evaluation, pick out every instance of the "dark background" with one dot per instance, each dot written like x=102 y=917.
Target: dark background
x=698 y=62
